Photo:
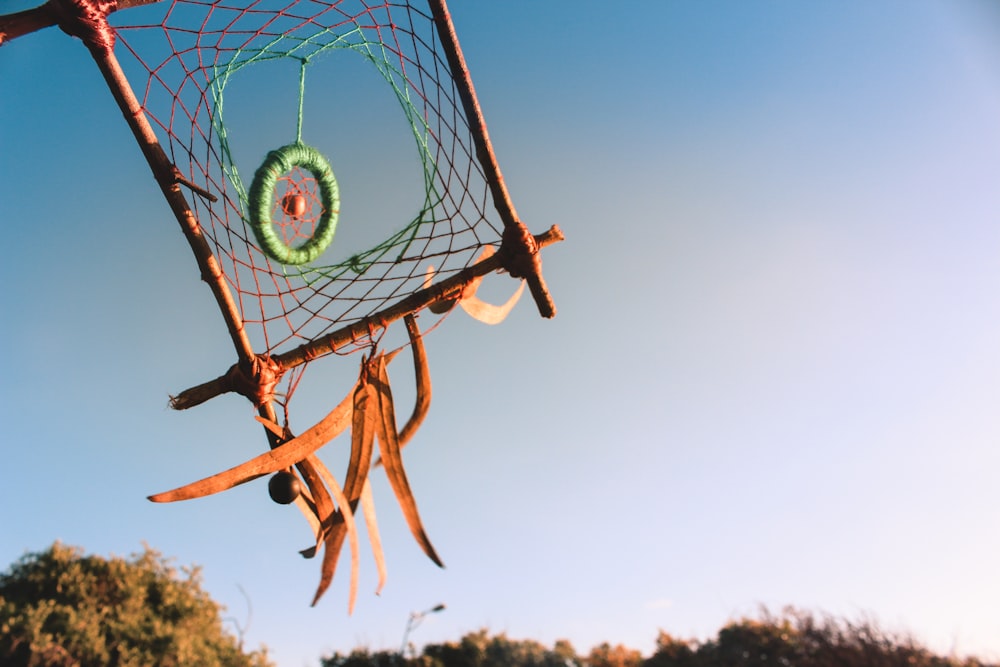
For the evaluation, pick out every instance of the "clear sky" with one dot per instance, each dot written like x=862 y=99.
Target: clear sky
x=774 y=377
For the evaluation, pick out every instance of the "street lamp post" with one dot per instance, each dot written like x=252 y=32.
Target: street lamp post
x=415 y=618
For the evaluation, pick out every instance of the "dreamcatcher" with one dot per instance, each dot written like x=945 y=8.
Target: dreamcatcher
x=264 y=227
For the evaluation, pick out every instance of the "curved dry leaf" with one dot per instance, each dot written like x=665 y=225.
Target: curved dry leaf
x=487 y=313
x=423 y=375
x=308 y=508
x=272 y=427
x=304 y=500
x=309 y=468
x=441 y=306
x=281 y=457
x=393 y=462
x=371 y=524
x=362 y=439
x=335 y=540
x=340 y=524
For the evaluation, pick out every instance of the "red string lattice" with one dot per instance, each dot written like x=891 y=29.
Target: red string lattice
x=297 y=208
x=188 y=54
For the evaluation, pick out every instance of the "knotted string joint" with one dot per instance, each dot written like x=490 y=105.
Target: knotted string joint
x=86 y=19
x=520 y=258
x=519 y=252
x=256 y=383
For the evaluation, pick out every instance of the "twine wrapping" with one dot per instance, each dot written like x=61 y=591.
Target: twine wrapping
x=259 y=384
x=261 y=201
x=86 y=19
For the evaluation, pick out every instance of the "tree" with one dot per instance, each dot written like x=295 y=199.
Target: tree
x=799 y=639
x=59 y=607
x=361 y=657
x=671 y=652
x=753 y=643
x=478 y=649
x=792 y=639
x=474 y=649
x=606 y=655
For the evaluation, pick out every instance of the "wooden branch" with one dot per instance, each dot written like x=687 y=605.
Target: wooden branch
x=514 y=260
x=166 y=175
x=21 y=23
x=419 y=300
x=201 y=393
x=449 y=288
x=37 y=18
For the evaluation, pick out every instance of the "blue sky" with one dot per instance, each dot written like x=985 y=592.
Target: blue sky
x=773 y=378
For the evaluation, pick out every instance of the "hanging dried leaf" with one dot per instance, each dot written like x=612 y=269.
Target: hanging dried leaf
x=423 y=377
x=371 y=524
x=308 y=508
x=392 y=460
x=422 y=373
x=309 y=468
x=362 y=437
x=478 y=309
x=342 y=522
x=441 y=306
x=273 y=426
x=487 y=313
x=281 y=457
x=338 y=525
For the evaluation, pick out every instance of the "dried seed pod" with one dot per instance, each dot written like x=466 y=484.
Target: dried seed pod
x=284 y=487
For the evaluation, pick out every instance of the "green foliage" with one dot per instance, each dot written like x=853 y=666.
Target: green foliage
x=59 y=607
x=671 y=652
x=478 y=649
x=799 y=639
x=475 y=649
x=793 y=639
x=606 y=655
x=360 y=657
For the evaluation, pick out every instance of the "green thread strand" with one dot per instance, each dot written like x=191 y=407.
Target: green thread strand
x=304 y=49
x=302 y=96
x=261 y=201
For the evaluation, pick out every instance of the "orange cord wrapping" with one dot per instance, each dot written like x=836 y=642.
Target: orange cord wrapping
x=86 y=19
x=259 y=384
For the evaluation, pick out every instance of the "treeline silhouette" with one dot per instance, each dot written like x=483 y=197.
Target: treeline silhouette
x=792 y=638
x=62 y=608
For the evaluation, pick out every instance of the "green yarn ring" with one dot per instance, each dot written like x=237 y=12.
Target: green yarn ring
x=261 y=201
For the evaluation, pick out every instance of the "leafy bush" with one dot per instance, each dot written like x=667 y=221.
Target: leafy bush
x=791 y=639
x=799 y=639
x=59 y=607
